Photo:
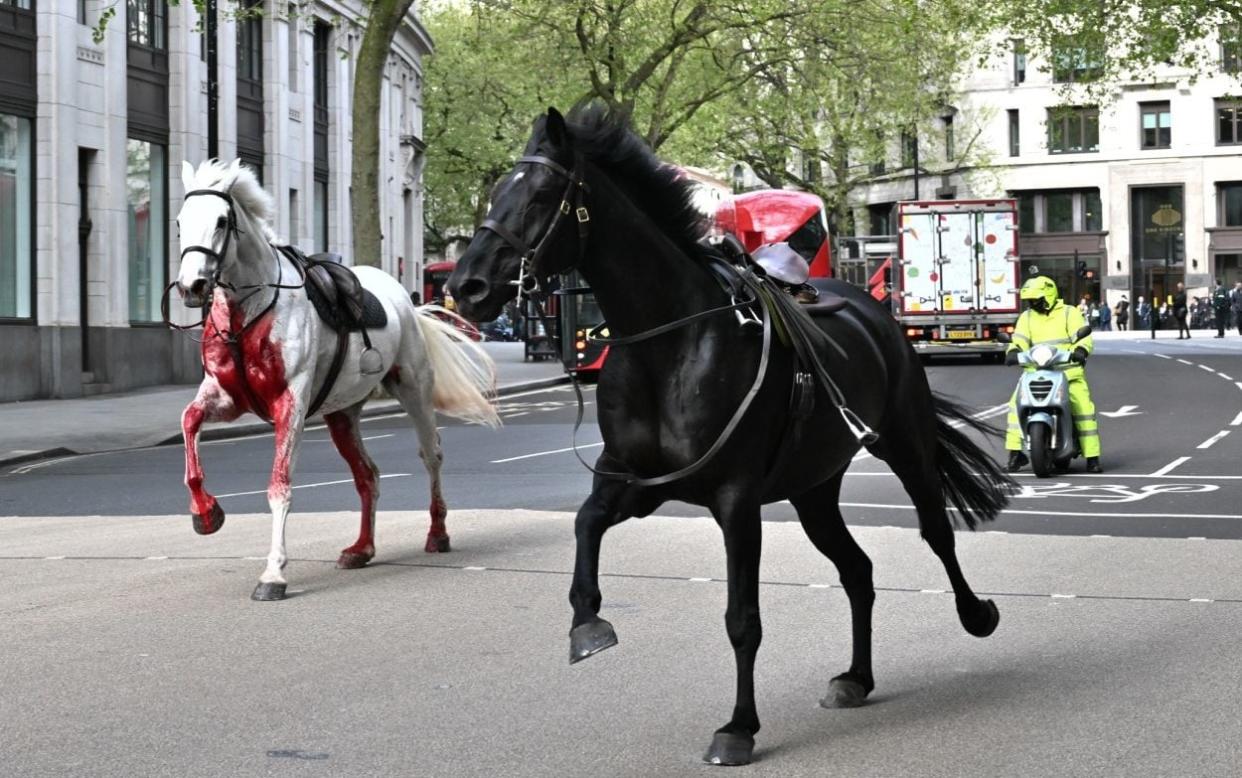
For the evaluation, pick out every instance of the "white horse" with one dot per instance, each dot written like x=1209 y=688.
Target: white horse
x=266 y=351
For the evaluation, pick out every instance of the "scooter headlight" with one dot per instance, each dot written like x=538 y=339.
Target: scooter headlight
x=1042 y=355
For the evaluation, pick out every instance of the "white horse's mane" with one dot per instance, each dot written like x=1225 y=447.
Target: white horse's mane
x=245 y=189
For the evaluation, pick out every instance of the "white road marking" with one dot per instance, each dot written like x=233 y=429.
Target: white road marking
x=1226 y=377
x=515 y=415
x=1163 y=356
x=699 y=580
x=1237 y=420
x=1205 y=367
x=473 y=567
x=53 y=557
x=1063 y=596
x=1196 y=537
x=1088 y=514
x=1185 y=361
x=1238 y=384
x=545 y=453
x=1170 y=467
x=819 y=586
x=156 y=558
x=1200 y=599
x=931 y=591
x=311 y=486
x=1208 y=443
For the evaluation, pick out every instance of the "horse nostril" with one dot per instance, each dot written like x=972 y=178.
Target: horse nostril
x=473 y=290
x=199 y=287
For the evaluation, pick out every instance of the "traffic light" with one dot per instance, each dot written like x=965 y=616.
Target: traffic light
x=1080 y=269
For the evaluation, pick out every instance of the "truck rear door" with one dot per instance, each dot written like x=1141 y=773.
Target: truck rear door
x=998 y=235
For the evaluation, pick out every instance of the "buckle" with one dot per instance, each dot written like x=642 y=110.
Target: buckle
x=583 y=215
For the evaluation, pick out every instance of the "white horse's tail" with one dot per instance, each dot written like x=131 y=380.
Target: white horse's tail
x=465 y=376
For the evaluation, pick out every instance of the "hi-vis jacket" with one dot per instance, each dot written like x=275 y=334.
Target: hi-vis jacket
x=1055 y=328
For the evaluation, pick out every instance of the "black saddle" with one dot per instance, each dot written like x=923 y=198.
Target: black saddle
x=337 y=294
x=811 y=298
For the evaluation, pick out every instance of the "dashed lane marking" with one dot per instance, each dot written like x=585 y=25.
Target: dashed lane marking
x=1210 y=441
x=311 y=486
x=648 y=577
x=1163 y=356
x=1237 y=420
x=1087 y=514
x=1185 y=361
x=1205 y=367
x=1226 y=377
x=1170 y=467
x=545 y=453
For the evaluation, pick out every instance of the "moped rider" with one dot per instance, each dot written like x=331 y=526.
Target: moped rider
x=1048 y=320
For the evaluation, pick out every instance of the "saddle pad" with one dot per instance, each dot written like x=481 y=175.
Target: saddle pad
x=336 y=316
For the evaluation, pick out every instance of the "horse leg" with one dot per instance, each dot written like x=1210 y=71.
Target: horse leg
x=916 y=469
x=415 y=399
x=589 y=634
x=210 y=404
x=820 y=514
x=743 y=535
x=343 y=426
x=289 y=419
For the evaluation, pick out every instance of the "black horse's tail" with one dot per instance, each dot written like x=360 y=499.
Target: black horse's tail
x=972 y=480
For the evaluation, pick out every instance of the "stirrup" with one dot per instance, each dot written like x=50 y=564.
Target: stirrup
x=862 y=433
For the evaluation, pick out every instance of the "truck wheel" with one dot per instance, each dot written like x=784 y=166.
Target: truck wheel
x=1041 y=457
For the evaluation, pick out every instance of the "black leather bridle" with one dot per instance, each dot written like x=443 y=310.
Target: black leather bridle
x=573 y=201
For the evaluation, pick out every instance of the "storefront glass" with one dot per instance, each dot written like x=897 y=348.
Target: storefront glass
x=16 y=224
x=1157 y=246
x=145 y=182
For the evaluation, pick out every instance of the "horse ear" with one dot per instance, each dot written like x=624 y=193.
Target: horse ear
x=187 y=175
x=230 y=177
x=555 y=127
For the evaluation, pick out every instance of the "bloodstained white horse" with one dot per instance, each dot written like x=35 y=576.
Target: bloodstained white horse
x=266 y=351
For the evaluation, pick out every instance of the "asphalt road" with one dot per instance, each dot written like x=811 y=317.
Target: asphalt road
x=1170 y=459
x=129 y=647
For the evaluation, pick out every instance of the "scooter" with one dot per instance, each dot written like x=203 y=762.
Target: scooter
x=1043 y=404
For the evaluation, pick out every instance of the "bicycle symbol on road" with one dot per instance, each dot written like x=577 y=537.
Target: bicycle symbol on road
x=1107 y=493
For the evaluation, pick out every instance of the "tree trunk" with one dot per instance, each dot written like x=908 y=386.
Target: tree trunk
x=382 y=26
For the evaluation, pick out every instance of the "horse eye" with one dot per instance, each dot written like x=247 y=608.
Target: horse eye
x=221 y=223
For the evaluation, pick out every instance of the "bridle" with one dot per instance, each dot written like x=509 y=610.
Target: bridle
x=213 y=272
x=573 y=201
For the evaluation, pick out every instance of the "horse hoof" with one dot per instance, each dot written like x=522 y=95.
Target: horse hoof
x=212 y=522
x=590 y=638
x=983 y=621
x=729 y=748
x=352 y=560
x=437 y=544
x=268 y=592
x=844 y=692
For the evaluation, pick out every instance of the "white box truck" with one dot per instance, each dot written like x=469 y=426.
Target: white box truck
x=957 y=276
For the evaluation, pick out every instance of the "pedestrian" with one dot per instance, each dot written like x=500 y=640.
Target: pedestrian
x=1123 y=313
x=416 y=298
x=1144 y=313
x=1155 y=315
x=1220 y=307
x=1106 y=317
x=1235 y=299
x=1180 y=311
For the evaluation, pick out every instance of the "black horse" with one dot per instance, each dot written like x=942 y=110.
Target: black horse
x=588 y=194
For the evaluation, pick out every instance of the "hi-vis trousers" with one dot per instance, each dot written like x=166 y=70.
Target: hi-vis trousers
x=1080 y=406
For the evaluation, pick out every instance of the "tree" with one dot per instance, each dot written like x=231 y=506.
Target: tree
x=1104 y=42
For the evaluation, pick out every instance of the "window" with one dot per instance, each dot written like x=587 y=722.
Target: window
x=321 y=216
x=24 y=5
x=145 y=177
x=16 y=223
x=146 y=24
x=948 y=138
x=1228 y=122
x=1060 y=213
x=1073 y=130
x=876 y=168
x=250 y=43
x=1092 y=212
x=82 y=12
x=1015 y=137
x=291 y=23
x=881 y=218
x=294 y=234
x=1074 y=64
x=1156 y=125
x=1026 y=213
x=808 y=238
x=1231 y=48
x=1019 y=62
x=909 y=148
x=1230 y=198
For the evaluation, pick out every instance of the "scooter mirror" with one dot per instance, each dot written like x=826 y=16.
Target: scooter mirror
x=1003 y=337
x=1083 y=332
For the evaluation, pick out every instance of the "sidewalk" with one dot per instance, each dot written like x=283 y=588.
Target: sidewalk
x=152 y=415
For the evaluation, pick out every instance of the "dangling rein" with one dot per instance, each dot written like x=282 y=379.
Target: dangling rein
x=762 y=294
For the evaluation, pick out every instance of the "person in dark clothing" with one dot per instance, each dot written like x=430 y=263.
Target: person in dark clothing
x=1220 y=307
x=1153 y=317
x=1235 y=299
x=1180 y=311
x=1123 y=314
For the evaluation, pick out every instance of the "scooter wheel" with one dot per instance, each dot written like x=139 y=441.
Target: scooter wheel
x=1041 y=456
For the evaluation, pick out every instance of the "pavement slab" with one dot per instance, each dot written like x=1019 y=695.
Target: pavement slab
x=139 y=653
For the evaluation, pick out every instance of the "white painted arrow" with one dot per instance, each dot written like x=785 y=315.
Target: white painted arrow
x=1125 y=410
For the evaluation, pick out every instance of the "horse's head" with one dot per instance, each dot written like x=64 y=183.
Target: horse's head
x=206 y=225
x=535 y=226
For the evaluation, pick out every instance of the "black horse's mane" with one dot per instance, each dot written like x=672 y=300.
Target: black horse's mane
x=662 y=191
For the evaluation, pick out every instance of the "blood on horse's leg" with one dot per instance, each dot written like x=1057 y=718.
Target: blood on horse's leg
x=343 y=426
x=288 y=419
x=210 y=404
